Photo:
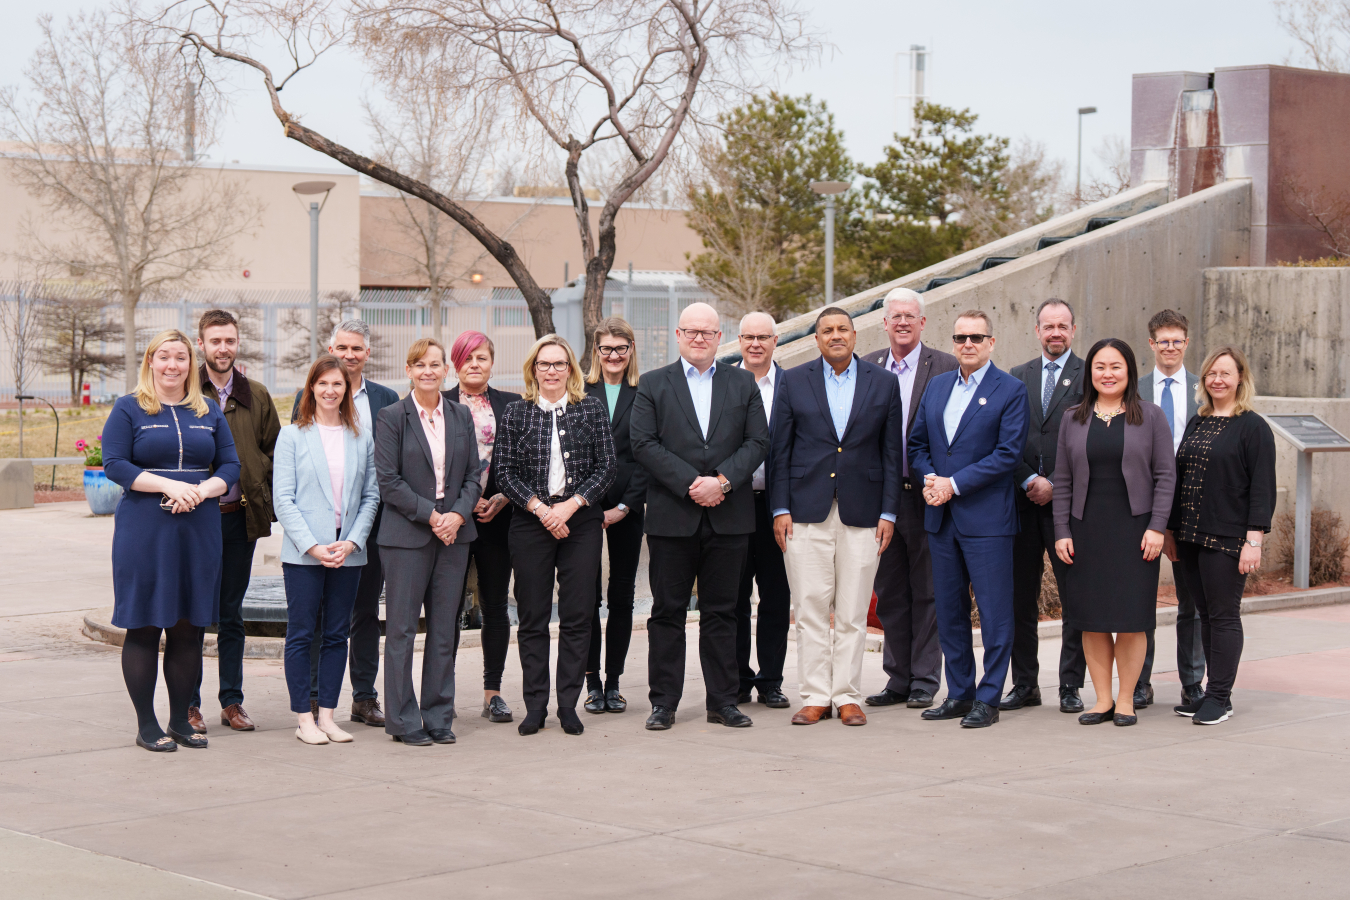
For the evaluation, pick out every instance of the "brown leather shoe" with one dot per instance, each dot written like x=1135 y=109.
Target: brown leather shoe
x=852 y=714
x=195 y=720
x=235 y=717
x=810 y=715
x=368 y=711
x=314 y=709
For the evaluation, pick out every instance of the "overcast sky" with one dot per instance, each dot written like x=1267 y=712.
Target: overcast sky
x=1023 y=68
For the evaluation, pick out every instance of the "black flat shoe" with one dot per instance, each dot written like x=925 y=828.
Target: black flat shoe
x=595 y=701
x=1021 y=695
x=661 y=719
x=919 y=700
x=1097 y=718
x=191 y=740
x=160 y=745
x=1069 y=701
x=774 y=699
x=729 y=716
x=981 y=715
x=1122 y=719
x=614 y=701
x=533 y=721
x=948 y=709
x=496 y=710
x=417 y=738
x=571 y=722
x=441 y=735
x=887 y=697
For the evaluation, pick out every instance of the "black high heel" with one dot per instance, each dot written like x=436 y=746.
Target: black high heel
x=1092 y=718
x=533 y=721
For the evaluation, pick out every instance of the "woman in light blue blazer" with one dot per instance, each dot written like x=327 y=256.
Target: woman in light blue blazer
x=323 y=457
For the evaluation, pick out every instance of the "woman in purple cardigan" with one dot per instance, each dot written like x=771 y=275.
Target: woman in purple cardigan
x=1113 y=485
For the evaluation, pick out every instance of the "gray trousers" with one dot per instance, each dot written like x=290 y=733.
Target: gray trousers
x=910 y=654
x=429 y=578
x=1190 y=649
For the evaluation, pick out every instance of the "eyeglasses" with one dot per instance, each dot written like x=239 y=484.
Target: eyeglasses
x=907 y=318
x=959 y=339
x=621 y=350
x=694 y=333
x=551 y=366
x=1168 y=345
x=757 y=338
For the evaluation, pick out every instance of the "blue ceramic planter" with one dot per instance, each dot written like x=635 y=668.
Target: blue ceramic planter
x=101 y=493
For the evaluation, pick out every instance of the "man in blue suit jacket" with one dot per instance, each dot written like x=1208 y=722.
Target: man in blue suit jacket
x=967 y=442
x=834 y=490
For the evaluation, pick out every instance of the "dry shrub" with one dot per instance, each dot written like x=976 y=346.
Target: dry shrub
x=1330 y=543
x=1049 y=604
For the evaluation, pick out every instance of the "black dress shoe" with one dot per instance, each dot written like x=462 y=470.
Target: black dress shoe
x=614 y=701
x=1097 y=718
x=192 y=740
x=571 y=722
x=661 y=719
x=744 y=697
x=1021 y=695
x=595 y=701
x=159 y=745
x=981 y=715
x=729 y=716
x=887 y=697
x=1069 y=701
x=496 y=710
x=441 y=735
x=774 y=699
x=919 y=699
x=533 y=721
x=1143 y=696
x=418 y=738
x=948 y=709
x=1192 y=694
x=1122 y=719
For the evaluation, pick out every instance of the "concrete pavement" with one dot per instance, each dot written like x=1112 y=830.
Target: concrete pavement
x=1037 y=806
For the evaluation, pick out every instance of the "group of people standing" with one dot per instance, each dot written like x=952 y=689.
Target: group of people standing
x=923 y=476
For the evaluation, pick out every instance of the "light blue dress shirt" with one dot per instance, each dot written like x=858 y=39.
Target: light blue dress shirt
x=962 y=393
x=700 y=388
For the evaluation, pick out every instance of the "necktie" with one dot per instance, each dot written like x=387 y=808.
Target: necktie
x=1168 y=408
x=904 y=428
x=1049 y=389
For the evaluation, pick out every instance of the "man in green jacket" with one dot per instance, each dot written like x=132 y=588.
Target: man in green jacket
x=246 y=511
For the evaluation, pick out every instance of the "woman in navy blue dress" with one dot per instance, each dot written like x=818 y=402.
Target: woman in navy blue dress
x=172 y=453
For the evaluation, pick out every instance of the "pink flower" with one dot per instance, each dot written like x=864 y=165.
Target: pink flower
x=80 y=444
x=99 y=438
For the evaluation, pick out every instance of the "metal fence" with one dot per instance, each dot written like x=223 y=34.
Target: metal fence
x=275 y=329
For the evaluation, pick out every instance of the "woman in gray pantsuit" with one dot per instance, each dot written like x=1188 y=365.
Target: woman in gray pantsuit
x=426 y=460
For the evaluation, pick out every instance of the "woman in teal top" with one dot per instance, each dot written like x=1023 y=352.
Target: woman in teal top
x=614 y=377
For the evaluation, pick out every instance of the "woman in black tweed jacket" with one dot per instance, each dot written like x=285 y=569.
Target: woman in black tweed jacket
x=555 y=460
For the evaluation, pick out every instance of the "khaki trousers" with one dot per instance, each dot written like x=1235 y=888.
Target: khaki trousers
x=830 y=569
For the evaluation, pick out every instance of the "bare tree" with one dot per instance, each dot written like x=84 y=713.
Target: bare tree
x=1321 y=208
x=110 y=108
x=741 y=255
x=1114 y=155
x=21 y=326
x=76 y=327
x=1028 y=187
x=569 y=74
x=1321 y=28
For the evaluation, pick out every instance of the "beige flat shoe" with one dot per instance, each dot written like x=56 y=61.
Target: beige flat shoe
x=314 y=737
x=336 y=734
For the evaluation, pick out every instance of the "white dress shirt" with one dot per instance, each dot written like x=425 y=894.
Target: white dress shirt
x=766 y=386
x=1045 y=373
x=700 y=388
x=1178 y=390
x=557 y=470
x=962 y=393
x=362 y=401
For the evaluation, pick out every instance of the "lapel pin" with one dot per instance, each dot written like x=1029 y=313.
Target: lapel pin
x=983 y=401
x=1067 y=382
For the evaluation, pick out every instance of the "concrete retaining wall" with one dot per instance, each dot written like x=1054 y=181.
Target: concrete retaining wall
x=1331 y=471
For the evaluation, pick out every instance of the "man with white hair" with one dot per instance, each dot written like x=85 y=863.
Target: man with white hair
x=910 y=655
x=764 y=561
x=700 y=431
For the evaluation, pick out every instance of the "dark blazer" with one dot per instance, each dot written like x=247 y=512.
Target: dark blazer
x=377 y=394
x=812 y=465
x=931 y=362
x=981 y=457
x=499 y=401
x=1192 y=381
x=630 y=479
x=1148 y=464
x=669 y=444
x=407 y=475
x=524 y=447
x=1039 y=455
x=1238 y=491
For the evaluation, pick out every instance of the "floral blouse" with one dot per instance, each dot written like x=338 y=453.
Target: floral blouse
x=484 y=428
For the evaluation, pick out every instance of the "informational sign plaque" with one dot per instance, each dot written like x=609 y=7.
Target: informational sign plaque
x=1309 y=435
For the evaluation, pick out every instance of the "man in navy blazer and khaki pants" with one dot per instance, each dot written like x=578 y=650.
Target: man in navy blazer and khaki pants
x=967 y=442
x=834 y=491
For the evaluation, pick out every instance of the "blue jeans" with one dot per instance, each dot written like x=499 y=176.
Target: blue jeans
x=309 y=590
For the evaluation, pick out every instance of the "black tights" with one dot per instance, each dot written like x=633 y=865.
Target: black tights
x=182 y=670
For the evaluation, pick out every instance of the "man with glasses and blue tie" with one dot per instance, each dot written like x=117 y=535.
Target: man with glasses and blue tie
x=1173 y=388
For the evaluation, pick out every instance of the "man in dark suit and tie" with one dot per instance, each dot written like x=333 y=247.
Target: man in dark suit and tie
x=700 y=431
x=1054 y=383
x=967 y=442
x=910 y=654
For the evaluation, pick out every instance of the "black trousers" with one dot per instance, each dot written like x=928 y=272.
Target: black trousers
x=715 y=561
x=1214 y=582
x=911 y=655
x=235 y=570
x=625 y=546
x=536 y=556
x=1190 y=647
x=763 y=564
x=492 y=557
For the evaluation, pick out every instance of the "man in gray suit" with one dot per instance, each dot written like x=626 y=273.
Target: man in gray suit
x=1173 y=388
x=910 y=655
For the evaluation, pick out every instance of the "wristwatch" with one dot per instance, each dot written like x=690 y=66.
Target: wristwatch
x=726 y=484
x=623 y=508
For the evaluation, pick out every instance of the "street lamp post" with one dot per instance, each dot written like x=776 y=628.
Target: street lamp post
x=312 y=188
x=1082 y=111
x=829 y=189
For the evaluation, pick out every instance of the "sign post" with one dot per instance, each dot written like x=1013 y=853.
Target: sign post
x=1309 y=435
